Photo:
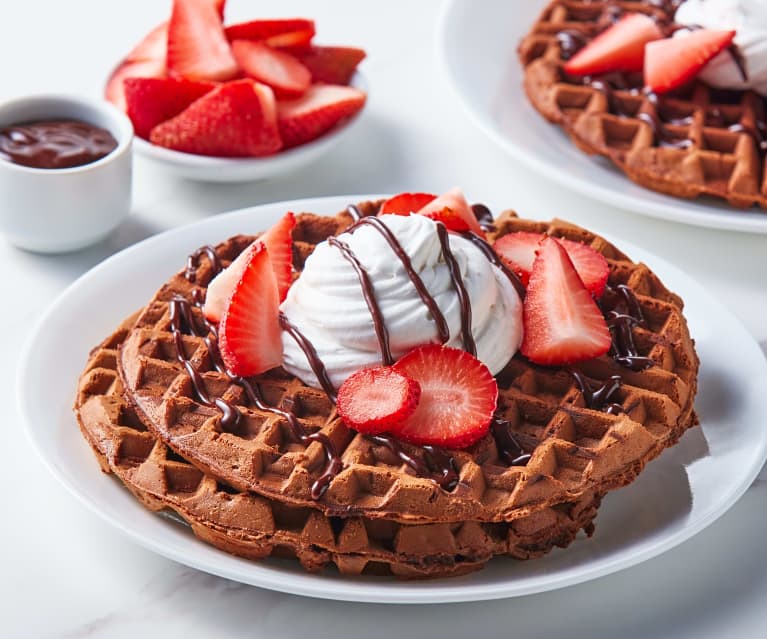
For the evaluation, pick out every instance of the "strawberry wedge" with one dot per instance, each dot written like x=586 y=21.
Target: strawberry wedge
x=671 y=62
x=452 y=209
x=334 y=65
x=249 y=332
x=281 y=32
x=281 y=71
x=563 y=324
x=406 y=203
x=621 y=47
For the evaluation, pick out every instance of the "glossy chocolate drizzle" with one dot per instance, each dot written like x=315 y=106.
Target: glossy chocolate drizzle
x=599 y=398
x=623 y=313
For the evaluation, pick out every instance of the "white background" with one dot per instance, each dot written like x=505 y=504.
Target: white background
x=66 y=573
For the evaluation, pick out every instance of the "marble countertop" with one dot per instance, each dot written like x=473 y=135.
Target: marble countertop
x=64 y=572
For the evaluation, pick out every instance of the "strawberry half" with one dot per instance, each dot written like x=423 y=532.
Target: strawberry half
x=373 y=400
x=321 y=108
x=334 y=65
x=236 y=119
x=518 y=251
x=621 y=47
x=671 y=62
x=276 y=33
x=452 y=209
x=197 y=46
x=150 y=101
x=458 y=397
x=249 y=333
x=281 y=71
x=279 y=243
x=563 y=324
x=406 y=203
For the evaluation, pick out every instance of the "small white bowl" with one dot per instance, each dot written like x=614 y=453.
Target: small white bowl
x=60 y=210
x=216 y=169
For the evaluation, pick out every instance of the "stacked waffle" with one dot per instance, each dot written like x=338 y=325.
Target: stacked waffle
x=156 y=407
x=695 y=140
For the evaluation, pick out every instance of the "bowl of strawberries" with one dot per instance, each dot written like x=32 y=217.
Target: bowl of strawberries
x=236 y=102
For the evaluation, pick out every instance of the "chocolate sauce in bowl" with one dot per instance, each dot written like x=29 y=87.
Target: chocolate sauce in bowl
x=55 y=144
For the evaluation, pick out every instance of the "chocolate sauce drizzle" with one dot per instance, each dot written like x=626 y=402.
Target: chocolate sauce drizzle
x=599 y=398
x=193 y=261
x=509 y=449
x=622 y=317
x=316 y=364
x=434 y=464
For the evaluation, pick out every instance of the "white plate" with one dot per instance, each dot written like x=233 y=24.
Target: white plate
x=679 y=494
x=215 y=169
x=487 y=77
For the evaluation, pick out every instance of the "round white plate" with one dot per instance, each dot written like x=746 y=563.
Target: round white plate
x=215 y=169
x=487 y=77
x=679 y=494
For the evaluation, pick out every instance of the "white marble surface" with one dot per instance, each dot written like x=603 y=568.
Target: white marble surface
x=66 y=573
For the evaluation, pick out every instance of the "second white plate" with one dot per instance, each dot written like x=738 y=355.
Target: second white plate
x=487 y=77
x=677 y=495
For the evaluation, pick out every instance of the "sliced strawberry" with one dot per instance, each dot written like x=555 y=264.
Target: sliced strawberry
x=321 y=108
x=621 y=47
x=562 y=322
x=458 y=397
x=671 y=62
x=150 y=101
x=236 y=119
x=518 y=251
x=197 y=46
x=334 y=65
x=153 y=46
x=281 y=71
x=279 y=242
x=452 y=209
x=406 y=203
x=279 y=32
x=373 y=400
x=249 y=333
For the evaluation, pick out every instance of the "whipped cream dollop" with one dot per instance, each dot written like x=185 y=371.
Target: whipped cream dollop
x=749 y=19
x=327 y=305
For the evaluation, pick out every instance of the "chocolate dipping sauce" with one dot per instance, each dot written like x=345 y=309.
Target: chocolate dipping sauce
x=55 y=144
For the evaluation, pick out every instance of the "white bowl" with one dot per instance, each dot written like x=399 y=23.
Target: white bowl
x=59 y=210
x=216 y=169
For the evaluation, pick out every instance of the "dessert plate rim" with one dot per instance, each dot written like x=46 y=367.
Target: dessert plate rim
x=679 y=494
x=487 y=79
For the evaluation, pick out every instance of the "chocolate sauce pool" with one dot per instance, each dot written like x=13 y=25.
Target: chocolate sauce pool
x=55 y=144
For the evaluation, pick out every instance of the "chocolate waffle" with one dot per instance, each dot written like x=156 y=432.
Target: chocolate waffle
x=554 y=439
x=250 y=526
x=689 y=142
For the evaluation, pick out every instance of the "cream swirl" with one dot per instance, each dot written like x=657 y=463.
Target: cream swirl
x=326 y=304
x=749 y=19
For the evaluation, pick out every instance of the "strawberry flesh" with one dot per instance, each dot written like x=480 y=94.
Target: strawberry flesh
x=406 y=203
x=334 y=65
x=236 y=119
x=150 y=101
x=621 y=47
x=562 y=323
x=671 y=62
x=281 y=71
x=373 y=400
x=452 y=209
x=322 y=107
x=197 y=46
x=458 y=397
x=299 y=31
x=249 y=333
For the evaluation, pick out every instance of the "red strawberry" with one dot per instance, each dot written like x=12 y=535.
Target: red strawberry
x=197 y=46
x=374 y=400
x=406 y=203
x=317 y=111
x=619 y=48
x=279 y=242
x=458 y=397
x=334 y=65
x=153 y=100
x=278 y=32
x=146 y=60
x=236 y=119
x=281 y=71
x=249 y=333
x=562 y=322
x=518 y=251
x=671 y=62
x=452 y=209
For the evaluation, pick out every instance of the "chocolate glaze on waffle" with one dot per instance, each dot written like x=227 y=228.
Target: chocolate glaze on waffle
x=572 y=448
x=692 y=141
